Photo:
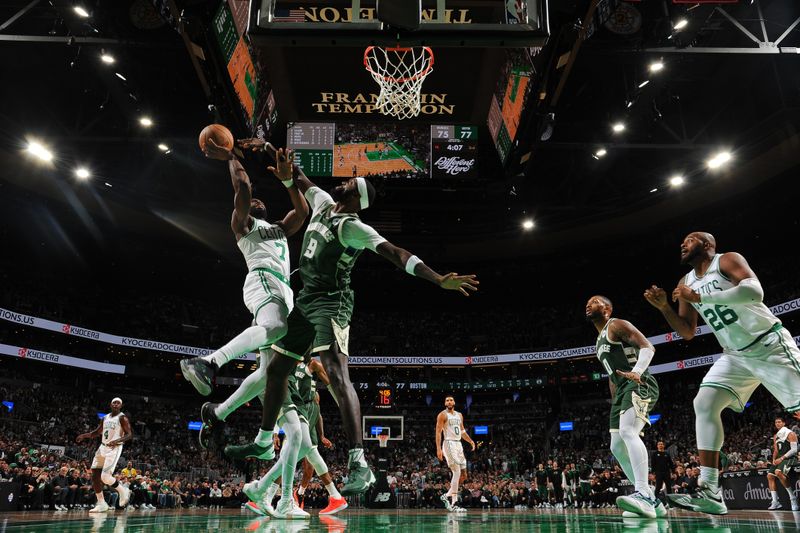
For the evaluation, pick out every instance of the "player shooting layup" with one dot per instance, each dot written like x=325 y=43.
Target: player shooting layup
x=756 y=350
x=266 y=291
x=451 y=423
x=320 y=322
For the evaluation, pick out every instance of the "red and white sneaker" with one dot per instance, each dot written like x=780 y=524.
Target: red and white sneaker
x=334 y=506
x=253 y=506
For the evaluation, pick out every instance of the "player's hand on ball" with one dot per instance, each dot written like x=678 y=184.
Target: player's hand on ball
x=439 y=455
x=255 y=144
x=454 y=282
x=682 y=292
x=284 y=169
x=656 y=296
x=631 y=376
x=215 y=151
x=327 y=443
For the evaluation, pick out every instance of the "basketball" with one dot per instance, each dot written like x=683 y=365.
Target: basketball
x=221 y=136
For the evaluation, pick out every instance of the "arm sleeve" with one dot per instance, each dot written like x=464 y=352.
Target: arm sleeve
x=748 y=291
x=645 y=356
x=358 y=235
x=317 y=198
x=792 y=450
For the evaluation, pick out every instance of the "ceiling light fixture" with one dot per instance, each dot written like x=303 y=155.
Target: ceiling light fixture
x=107 y=59
x=645 y=82
x=656 y=66
x=719 y=159
x=39 y=151
x=82 y=173
x=146 y=122
x=676 y=181
x=120 y=76
x=163 y=147
x=682 y=23
x=527 y=224
x=618 y=127
x=81 y=11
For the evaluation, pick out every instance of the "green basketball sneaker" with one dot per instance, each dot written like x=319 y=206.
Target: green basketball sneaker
x=359 y=480
x=253 y=450
x=703 y=500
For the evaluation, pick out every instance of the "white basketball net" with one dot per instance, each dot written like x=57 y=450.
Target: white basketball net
x=399 y=72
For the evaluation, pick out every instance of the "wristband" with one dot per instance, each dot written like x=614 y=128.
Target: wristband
x=288 y=183
x=412 y=263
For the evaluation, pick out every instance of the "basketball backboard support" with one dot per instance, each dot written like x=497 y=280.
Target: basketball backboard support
x=445 y=23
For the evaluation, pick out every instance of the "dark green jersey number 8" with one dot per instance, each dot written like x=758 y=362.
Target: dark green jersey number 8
x=720 y=316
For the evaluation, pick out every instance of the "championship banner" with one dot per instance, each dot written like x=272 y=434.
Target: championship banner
x=58 y=359
x=160 y=346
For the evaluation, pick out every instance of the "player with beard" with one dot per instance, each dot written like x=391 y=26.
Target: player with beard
x=625 y=355
x=451 y=423
x=757 y=350
x=267 y=294
x=320 y=322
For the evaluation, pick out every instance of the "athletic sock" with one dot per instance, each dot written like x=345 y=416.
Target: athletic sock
x=263 y=438
x=272 y=491
x=774 y=496
x=357 y=456
x=790 y=490
x=100 y=498
x=710 y=477
x=301 y=490
x=331 y=488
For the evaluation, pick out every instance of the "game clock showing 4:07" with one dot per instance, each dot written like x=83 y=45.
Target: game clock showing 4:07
x=454 y=151
x=385 y=398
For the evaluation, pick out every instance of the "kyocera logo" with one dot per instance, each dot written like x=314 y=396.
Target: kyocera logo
x=23 y=353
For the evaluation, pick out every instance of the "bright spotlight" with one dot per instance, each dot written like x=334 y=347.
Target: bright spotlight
x=682 y=23
x=146 y=122
x=39 y=151
x=676 y=181
x=656 y=66
x=120 y=76
x=81 y=11
x=107 y=59
x=654 y=190
x=645 y=82
x=719 y=159
x=82 y=173
x=527 y=224
x=618 y=127
x=601 y=152
x=163 y=147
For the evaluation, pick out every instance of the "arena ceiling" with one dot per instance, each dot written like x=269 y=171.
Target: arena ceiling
x=725 y=85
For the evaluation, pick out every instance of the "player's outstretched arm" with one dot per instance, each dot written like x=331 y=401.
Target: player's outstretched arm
x=259 y=145
x=294 y=219
x=684 y=321
x=413 y=265
x=622 y=330
x=92 y=434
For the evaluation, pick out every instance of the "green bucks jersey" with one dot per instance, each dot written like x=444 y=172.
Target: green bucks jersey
x=301 y=386
x=737 y=326
x=616 y=355
x=326 y=261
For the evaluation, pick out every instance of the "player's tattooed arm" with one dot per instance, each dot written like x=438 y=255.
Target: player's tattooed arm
x=440 y=422
x=92 y=434
x=451 y=281
x=127 y=432
x=684 y=321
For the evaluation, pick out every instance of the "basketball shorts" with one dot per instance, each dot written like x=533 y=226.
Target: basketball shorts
x=632 y=395
x=312 y=415
x=106 y=458
x=317 y=322
x=785 y=466
x=774 y=361
x=453 y=453
x=263 y=286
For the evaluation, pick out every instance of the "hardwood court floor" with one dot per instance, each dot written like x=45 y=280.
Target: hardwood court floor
x=406 y=520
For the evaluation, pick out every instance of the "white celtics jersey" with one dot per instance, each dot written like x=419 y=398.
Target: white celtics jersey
x=452 y=429
x=112 y=428
x=265 y=246
x=735 y=326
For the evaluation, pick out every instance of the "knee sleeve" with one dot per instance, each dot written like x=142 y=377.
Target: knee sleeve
x=107 y=479
x=708 y=406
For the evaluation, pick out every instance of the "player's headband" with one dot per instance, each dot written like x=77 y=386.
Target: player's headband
x=117 y=399
x=362 y=191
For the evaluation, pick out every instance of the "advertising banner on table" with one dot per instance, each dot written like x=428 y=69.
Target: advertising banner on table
x=749 y=490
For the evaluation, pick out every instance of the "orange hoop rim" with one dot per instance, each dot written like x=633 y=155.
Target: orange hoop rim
x=421 y=74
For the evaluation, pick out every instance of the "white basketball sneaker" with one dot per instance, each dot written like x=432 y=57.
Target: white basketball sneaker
x=124 y=496
x=101 y=507
x=638 y=503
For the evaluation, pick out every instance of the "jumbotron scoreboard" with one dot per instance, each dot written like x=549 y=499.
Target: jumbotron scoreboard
x=394 y=150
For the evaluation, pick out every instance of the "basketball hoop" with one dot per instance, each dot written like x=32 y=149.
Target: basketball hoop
x=399 y=72
x=383 y=440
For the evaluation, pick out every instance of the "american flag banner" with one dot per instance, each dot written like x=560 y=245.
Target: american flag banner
x=289 y=15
